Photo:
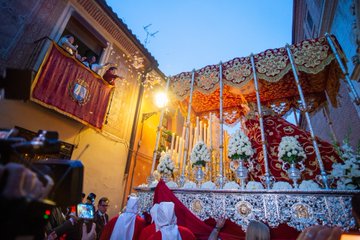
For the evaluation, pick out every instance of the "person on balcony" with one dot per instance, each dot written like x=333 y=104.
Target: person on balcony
x=91 y=63
x=66 y=42
x=110 y=75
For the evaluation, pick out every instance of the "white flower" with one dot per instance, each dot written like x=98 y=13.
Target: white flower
x=290 y=150
x=231 y=185
x=347 y=173
x=309 y=185
x=253 y=185
x=189 y=184
x=166 y=165
x=200 y=154
x=239 y=146
x=208 y=185
x=281 y=186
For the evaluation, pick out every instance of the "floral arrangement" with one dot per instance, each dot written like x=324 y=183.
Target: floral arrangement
x=290 y=150
x=232 y=185
x=309 y=185
x=281 y=186
x=200 y=154
x=208 y=185
x=166 y=165
x=347 y=173
x=239 y=146
x=253 y=185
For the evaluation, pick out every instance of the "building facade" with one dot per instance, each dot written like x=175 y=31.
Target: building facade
x=26 y=32
x=313 y=19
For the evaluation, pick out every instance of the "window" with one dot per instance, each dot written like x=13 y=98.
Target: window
x=89 y=41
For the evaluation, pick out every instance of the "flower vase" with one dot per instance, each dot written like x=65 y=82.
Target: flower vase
x=199 y=175
x=294 y=174
x=242 y=173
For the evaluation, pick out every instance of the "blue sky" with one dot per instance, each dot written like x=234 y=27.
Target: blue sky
x=196 y=33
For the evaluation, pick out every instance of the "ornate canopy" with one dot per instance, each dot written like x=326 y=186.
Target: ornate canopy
x=318 y=72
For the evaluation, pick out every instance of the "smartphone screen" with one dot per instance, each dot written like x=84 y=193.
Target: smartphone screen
x=85 y=211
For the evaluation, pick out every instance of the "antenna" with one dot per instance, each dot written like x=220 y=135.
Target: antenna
x=148 y=34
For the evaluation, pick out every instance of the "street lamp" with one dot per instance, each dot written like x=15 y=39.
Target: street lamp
x=161 y=99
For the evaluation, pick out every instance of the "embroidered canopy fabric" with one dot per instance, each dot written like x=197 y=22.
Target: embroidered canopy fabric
x=316 y=64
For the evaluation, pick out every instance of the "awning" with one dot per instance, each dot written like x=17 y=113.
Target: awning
x=318 y=71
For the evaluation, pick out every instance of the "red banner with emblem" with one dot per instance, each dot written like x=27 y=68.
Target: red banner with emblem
x=64 y=84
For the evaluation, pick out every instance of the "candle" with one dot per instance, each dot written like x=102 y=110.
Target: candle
x=190 y=135
x=197 y=129
x=183 y=133
x=180 y=153
x=205 y=134
x=210 y=130
x=176 y=148
x=192 y=138
x=201 y=137
x=172 y=143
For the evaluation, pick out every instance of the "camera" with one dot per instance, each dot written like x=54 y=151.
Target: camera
x=67 y=176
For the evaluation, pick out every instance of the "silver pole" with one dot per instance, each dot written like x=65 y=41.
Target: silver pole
x=159 y=131
x=221 y=147
x=267 y=177
x=343 y=69
x=295 y=116
x=187 y=134
x=328 y=119
x=307 y=117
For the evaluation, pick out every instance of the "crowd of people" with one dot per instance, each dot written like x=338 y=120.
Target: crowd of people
x=162 y=225
x=67 y=43
x=130 y=223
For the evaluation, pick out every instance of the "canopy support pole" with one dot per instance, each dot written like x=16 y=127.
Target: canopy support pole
x=343 y=69
x=151 y=178
x=328 y=119
x=323 y=175
x=296 y=118
x=221 y=179
x=267 y=177
x=187 y=132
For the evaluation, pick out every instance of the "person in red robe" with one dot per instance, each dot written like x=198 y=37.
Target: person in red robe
x=127 y=225
x=166 y=224
x=150 y=229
